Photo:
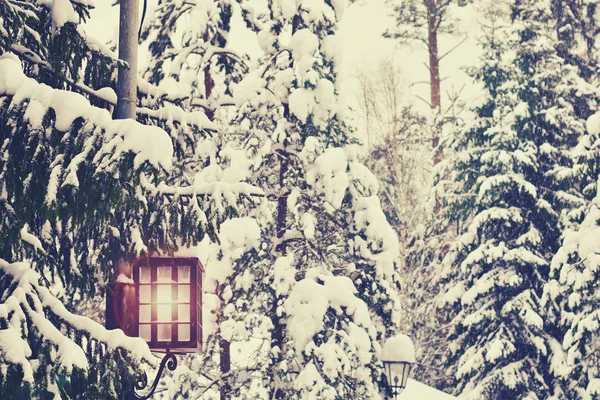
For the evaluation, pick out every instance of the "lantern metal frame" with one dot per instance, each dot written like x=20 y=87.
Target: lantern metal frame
x=397 y=383
x=174 y=344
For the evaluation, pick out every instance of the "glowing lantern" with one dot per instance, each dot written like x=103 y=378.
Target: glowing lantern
x=169 y=303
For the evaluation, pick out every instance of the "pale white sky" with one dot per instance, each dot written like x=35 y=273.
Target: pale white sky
x=363 y=46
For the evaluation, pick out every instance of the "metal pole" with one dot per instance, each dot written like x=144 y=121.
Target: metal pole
x=128 y=51
x=127 y=100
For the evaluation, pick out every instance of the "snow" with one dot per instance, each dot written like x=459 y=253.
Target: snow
x=30 y=239
x=593 y=124
x=284 y=275
x=139 y=247
x=248 y=88
x=122 y=278
x=15 y=350
x=521 y=110
x=62 y=12
x=310 y=299
x=328 y=175
x=303 y=44
x=239 y=235
x=399 y=348
x=331 y=48
x=149 y=143
x=108 y=94
x=419 y=391
x=301 y=103
x=30 y=301
x=589 y=242
x=310 y=381
x=380 y=242
x=593 y=388
x=360 y=174
x=308 y=222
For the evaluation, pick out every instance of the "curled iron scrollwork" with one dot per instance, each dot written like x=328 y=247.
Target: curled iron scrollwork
x=170 y=361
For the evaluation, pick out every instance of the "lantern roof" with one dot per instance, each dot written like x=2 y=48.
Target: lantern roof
x=399 y=348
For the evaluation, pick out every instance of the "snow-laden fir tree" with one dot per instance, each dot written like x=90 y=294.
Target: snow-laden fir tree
x=53 y=142
x=576 y=33
x=512 y=184
x=189 y=55
x=573 y=294
x=192 y=66
x=318 y=295
x=79 y=190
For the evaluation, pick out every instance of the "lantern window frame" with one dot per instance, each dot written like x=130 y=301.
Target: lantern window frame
x=174 y=282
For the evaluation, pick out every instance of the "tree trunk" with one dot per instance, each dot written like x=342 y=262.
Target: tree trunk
x=225 y=366
x=225 y=346
x=434 y=71
x=208 y=85
x=277 y=336
x=434 y=65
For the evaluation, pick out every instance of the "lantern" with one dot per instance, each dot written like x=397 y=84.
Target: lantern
x=398 y=357
x=169 y=303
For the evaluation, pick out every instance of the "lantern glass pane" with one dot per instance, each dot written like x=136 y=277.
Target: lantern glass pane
x=145 y=313
x=183 y=293
x=183 y=274
x=164 y=312
x=163 y=293
x=145 y=294
x=145 y=276
x=145 y=332
x=164 y=332
x=164 y=274
x=405 y=373
x=183 y=312
x=183 y=333
x=397 y=370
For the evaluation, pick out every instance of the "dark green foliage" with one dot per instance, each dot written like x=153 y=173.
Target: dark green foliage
x=513 y=182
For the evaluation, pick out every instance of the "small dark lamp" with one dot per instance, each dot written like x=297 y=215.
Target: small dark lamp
x=398 y=358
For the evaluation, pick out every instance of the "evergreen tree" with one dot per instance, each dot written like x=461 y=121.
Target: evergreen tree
x=79 y=190
x=573 y=296
x=317 y=332
x=512 y=182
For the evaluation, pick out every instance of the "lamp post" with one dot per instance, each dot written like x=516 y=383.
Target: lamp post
x=162 y=304
x=398 y=358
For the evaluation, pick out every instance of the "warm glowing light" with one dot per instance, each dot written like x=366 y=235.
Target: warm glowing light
x=163 y=293
x=145 y=294
x=183 y=293
x=164 y=274
x=170 y=298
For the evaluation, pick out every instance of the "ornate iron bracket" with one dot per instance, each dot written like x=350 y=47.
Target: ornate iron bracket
x=170 y=361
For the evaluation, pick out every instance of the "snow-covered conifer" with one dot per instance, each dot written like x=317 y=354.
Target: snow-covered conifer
x=573 y=296
x=79 y=190
x=511 y=186
x=319 y=294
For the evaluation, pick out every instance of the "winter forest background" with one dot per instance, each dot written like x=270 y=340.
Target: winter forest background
x=447 y=191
